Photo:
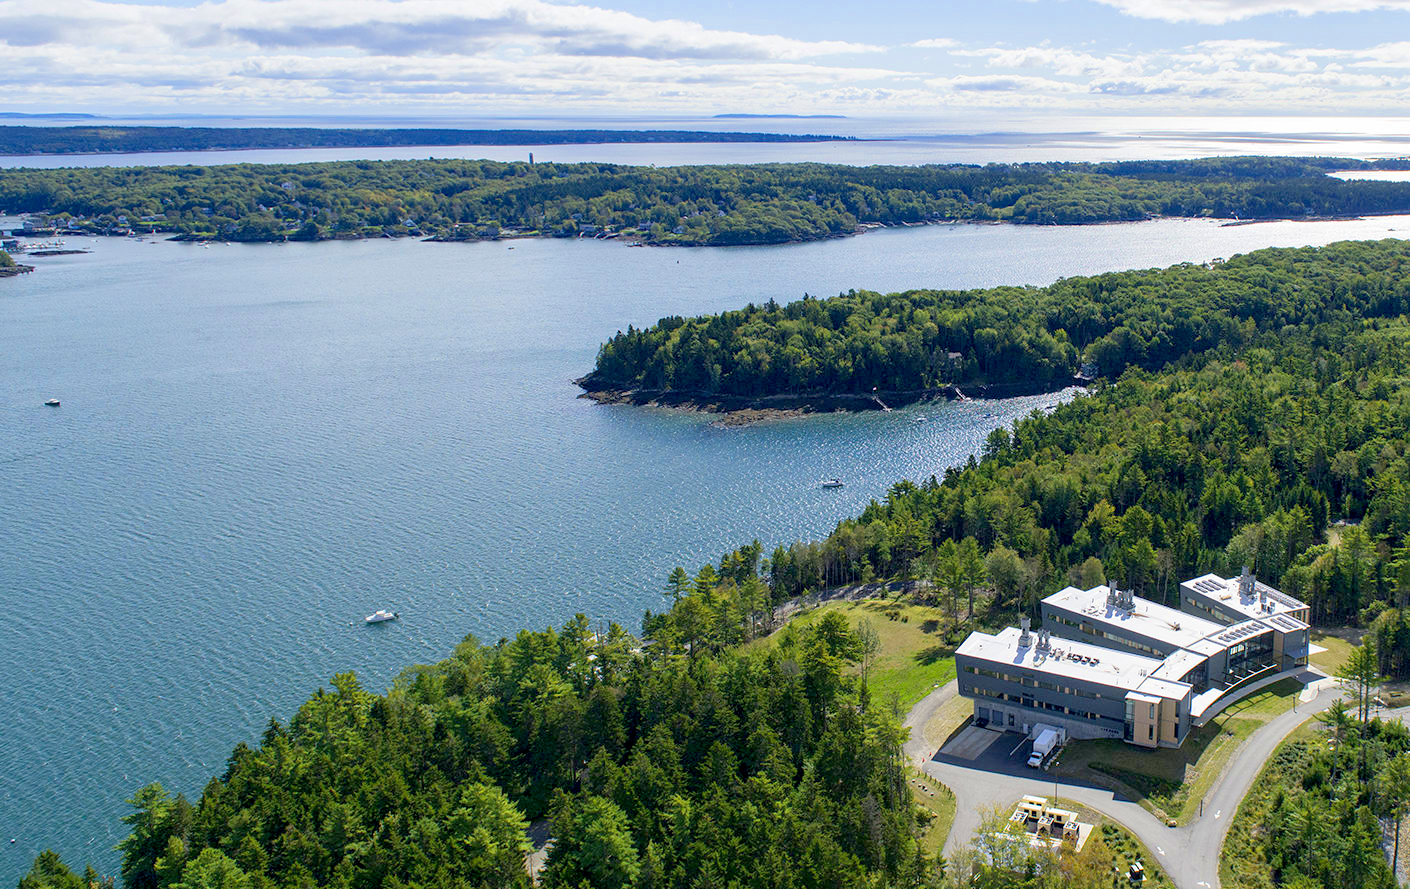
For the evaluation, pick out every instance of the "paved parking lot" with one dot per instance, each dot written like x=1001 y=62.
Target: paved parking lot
x=1003 y=753
x=970 y=743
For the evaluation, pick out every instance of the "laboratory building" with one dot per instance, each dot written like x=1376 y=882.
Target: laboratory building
x=1109 y=664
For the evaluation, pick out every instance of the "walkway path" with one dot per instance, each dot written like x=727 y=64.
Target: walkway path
x=1189 y=854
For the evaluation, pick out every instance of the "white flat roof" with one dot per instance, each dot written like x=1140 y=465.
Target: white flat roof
x=1082 y=661
x=1204 y=700
x=1149 y=619
x=1178 y=663
x=1225 y=591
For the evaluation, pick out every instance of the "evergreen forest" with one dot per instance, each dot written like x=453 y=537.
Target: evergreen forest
x=1024 y=338
x=100 y=139
x=1314 y=818
x=689 y=206
x=653 y=765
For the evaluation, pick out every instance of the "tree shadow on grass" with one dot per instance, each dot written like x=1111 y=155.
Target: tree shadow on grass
x=934 y=653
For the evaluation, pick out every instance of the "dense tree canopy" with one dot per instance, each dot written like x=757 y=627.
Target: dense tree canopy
x=94 y=139
x=1313 y=820
x=1035 y=337
x=655 y=765
x=704 y=205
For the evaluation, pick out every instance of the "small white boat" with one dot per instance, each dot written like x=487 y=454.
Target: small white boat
x=832 y=483
x=53 y=402
x=920 y=419
x=377 y=617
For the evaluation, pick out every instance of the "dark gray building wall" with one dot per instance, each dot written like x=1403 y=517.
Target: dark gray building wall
x=1019 y=690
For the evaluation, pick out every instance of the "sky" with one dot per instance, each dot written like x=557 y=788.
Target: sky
x=907 y=58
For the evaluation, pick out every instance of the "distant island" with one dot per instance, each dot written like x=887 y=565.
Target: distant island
x=52 y=115
x=688 y=206
x=102 y=139
x=743 y=116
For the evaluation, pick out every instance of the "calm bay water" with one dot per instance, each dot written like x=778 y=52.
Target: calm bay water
x=258 y=445
x=971 y=140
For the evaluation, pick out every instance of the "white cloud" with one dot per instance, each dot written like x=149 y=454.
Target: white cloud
x=1004 y=83
x=513 y=55
x=1219 y=12
x=1062 y=61
x=267 y=53
x=396 y=28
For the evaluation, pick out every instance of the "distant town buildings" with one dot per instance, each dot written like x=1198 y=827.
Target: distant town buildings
x=1109 y=664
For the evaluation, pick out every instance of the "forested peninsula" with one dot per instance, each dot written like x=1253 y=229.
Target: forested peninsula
x=923 y=343
x=101 y=139
x=9 y=268
x=456 y=200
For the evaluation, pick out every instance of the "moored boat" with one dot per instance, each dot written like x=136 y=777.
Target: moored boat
x=53 y=402
x=379 y=616
x=832 y=483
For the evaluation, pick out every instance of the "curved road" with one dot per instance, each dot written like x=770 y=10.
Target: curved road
x=1189 y=854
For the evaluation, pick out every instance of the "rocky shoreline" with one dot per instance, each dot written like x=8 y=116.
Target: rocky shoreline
x=11 y=271
x=738 y=410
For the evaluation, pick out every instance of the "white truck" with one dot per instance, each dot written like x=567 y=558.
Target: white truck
x=1046 y=739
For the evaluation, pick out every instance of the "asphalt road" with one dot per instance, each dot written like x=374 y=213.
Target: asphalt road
x=999 y=776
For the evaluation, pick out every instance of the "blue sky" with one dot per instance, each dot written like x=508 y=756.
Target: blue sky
x=674 y=58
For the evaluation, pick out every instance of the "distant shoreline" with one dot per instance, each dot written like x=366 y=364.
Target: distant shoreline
x=18 y=140
x=740 y=410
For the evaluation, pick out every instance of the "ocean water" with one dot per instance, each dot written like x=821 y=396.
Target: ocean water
x=260 y=444
x=922 y=140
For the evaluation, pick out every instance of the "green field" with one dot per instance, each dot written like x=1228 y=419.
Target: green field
x=913 y=659
x=1329 y=661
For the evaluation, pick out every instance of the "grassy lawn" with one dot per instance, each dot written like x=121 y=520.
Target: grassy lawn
x=1274 y=700
x=1329 y=661
x=951 y=716
x=913 y=659
x=936 y=799
x=1171 y=783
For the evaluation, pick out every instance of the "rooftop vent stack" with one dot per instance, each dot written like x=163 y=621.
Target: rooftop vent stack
x=1112 y=596
x=1044 y=640
x=1025 y=638
x=1246 y=584
x=1128 y=599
